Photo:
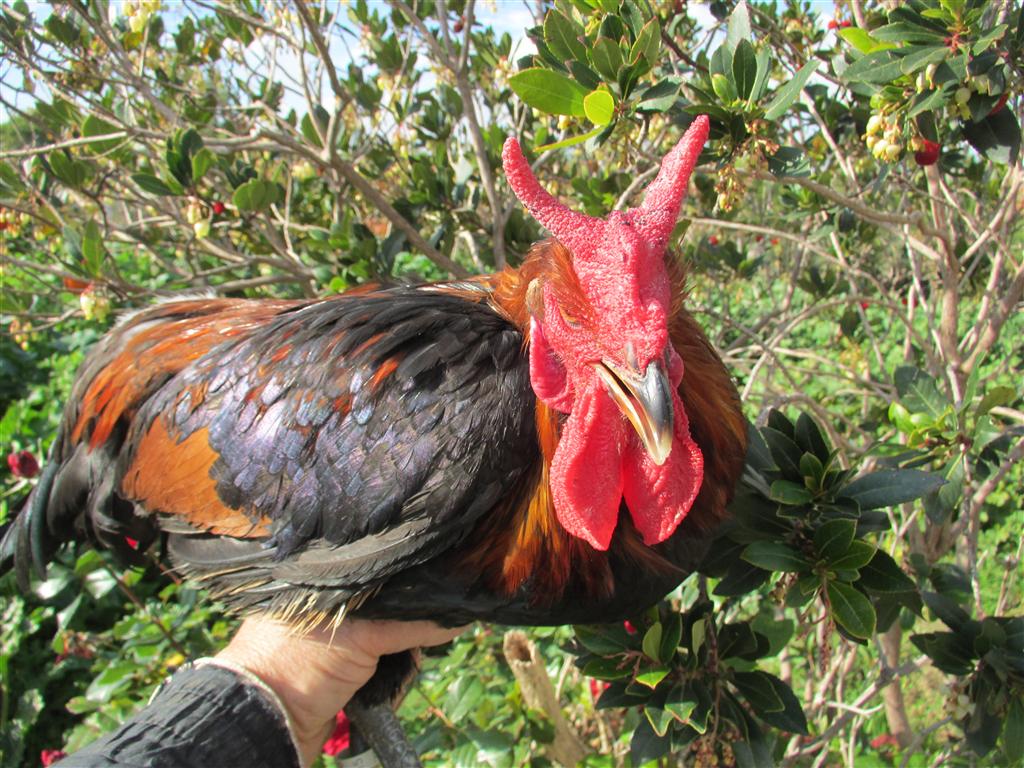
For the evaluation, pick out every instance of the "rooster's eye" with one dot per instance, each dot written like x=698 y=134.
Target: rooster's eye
x=570 y=320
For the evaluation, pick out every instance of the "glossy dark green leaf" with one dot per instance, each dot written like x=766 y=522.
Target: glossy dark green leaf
x=790 y=493
x=648 y=43
x=147 y=182
x=904 y=32
x=785 y=452
x=882 y=574
x=661 y=96
x=888 y=487
x=997 y=137
x=775 y=556
x=607 y=669
x=646 y=745
x=741 y=579
x=758 y=691
x=857 y=556
x=1013 y=730
x=744 y=69
x=833 y=538
x=851 y=609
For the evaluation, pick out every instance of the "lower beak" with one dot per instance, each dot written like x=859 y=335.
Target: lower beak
x=646 y=400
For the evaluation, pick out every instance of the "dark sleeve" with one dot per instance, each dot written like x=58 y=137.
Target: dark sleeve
x=203 y=716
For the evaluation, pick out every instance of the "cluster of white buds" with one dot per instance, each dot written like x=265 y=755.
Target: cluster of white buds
x=884 y=138
x=958 y=704
x=138 y=12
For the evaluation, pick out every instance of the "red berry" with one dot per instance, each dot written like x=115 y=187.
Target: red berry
x=833 y=24
x=630 y=629
x=23 y=464
x=928 y=155
x=713 y=240
x=845 y=23
x=759 y=238
x=865 y=304
x=218 y=208
x=459 y=25
x=51 y=756
x=775 y=241
x=74 y=285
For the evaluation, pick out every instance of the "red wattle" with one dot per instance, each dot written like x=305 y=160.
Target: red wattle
x=659 y=497
x=587 y=469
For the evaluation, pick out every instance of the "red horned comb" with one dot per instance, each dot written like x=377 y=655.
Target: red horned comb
x=654 y=219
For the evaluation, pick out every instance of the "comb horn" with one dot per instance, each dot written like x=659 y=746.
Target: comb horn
x=574 y=230
x=656 y=216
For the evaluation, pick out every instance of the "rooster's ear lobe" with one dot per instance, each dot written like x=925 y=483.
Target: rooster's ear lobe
x=576 y=231
x=656 y=217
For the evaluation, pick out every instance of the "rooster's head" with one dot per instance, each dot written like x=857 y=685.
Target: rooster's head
x=600 y=352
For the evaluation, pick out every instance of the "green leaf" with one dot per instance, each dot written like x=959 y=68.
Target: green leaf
x=904 y=32
x=857 y=556
x=1013 y=731
x=599 y=107
x=659 y=719
x=257 y=195
x=790 y=92
x=603 y=639
x=562 y=36
x=921 y=57
x=876 y=67
x=860 y=39
x=72 y=172
x=607 y=58
x=758 y=691
x=652 y=641
x=738 y=30
x=607 y=669
x=94 y=126
x=112 y=679
x=92 y=249
x=744 y=69
x=997 y=396
x=651 y=677
x=549 y=92
x=661 y=96
x=919 y=393
x=775 y=556
x=791 y=716
x=724 y=88
x=147 y=182
x=201 y=162
x=889 y=487
x=851 y=609
x=763 y=62
x=678 y=703
x=834 y=538
x=809 y=437
x=882 y=574
x=790 y=493
x=571 y=140
x=648 y=43
x=997 y=137
x=645 y=745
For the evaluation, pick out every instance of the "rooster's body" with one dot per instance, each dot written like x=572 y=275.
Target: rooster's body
x=436 y=452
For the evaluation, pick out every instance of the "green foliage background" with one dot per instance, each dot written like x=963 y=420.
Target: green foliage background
x=854 y=247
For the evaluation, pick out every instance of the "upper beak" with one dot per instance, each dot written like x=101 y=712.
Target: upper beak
x=646 y=400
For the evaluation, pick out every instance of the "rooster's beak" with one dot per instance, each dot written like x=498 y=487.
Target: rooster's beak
x=646 y=400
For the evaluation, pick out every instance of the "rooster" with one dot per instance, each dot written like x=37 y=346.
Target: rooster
x=547 y=445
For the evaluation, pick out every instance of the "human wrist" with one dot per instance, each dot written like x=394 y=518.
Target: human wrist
x=313 y=675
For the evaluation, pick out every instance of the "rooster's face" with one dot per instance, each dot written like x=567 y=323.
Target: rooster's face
x=600 y=352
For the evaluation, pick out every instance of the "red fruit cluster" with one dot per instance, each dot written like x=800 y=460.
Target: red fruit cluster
x=835 y=24
x=22 y=464
x=713 y=240
x=928 y=154
x=218 y=208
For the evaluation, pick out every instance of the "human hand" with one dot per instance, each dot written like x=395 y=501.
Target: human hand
x=315 y=674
